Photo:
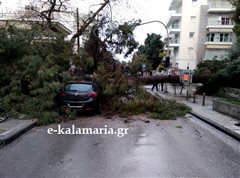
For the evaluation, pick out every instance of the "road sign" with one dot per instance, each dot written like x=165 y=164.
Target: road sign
x=185 y=76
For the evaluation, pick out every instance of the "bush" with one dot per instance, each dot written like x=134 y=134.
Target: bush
x=30 y=79
x=225 y=73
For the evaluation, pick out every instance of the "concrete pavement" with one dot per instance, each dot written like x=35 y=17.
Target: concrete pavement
x=13 y=128
x=220 y=121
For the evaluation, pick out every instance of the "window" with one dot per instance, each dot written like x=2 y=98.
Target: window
x=190 y=50
x=193 y=18
x=191 y=34
x=78 y=87
x=175 y=25
x=194 y=2
x=210 y=37
x=216 y=53
x=225 y=37
x=225 y=21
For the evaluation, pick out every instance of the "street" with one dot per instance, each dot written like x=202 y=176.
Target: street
x=185 y=147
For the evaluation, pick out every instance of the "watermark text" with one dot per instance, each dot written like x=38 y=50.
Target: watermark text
x=73 y=130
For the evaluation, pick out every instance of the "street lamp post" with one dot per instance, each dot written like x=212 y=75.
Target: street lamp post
x=168 y=50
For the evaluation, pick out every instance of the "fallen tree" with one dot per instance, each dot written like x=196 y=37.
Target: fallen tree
x=170 y=79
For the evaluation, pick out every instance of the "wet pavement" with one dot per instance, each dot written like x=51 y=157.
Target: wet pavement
x=185 y=147
x=223 y=122
x=13 y=128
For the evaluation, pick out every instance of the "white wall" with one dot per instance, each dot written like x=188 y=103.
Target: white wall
x=188 y=50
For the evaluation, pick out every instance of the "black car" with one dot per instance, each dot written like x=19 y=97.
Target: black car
x=80 y=96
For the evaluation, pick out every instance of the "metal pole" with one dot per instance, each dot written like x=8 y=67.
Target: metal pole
x=78 y=40
x=194 y=97
x=203 y=103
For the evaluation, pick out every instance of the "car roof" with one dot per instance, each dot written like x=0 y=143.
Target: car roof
x=80 y=82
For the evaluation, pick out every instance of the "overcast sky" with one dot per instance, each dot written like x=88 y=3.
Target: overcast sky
x=146 y=10
x=150 y=10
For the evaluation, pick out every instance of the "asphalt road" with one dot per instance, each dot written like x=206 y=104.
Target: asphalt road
x=182 y=148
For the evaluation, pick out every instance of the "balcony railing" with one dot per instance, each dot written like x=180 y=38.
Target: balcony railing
x=216 y=22
x=220 y=5
x=174 y=41
x=175 y=4
x=225 y=40
x=175 y=26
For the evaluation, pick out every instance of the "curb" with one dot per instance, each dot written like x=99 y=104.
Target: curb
x=15 y=134
x=225 y=130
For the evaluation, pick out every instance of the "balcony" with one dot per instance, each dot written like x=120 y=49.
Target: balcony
x=174 y=28
x=174 y=42
x=175 y=16
x=218 y=45
x=222 y=7
x=220 y=25
x=175 y=4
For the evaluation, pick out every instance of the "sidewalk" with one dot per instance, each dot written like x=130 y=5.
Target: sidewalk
x=13 y=128
x=220 y=121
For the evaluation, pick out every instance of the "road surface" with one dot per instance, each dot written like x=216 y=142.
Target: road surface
x=185 y=147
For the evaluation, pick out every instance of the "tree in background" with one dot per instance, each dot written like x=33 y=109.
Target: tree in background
x=136 y=65
x=152 y=48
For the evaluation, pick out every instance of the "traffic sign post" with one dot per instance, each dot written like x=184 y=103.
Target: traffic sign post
x=186 y=79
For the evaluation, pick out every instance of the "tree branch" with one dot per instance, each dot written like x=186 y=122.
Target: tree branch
x=88 y=22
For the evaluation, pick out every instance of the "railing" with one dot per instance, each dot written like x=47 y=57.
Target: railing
x=174 y=41
x=216 y=22
x=224 y=40
x=175 y=26
x=220 y=5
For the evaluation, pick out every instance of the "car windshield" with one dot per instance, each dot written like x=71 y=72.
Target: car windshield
x=82 y=87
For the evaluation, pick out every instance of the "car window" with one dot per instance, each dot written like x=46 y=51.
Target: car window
x=82 y=87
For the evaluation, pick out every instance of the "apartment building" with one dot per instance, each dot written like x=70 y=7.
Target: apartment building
x=199 y=30
x=28 y=18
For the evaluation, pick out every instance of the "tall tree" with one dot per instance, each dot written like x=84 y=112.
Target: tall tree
x=111 y=37
x=236 y=18
x=153 y=46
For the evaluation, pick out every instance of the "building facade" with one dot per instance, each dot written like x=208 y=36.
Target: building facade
x=199 y=30
x=28 y=18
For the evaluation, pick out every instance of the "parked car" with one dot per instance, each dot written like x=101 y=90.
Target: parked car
x=80 y=96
